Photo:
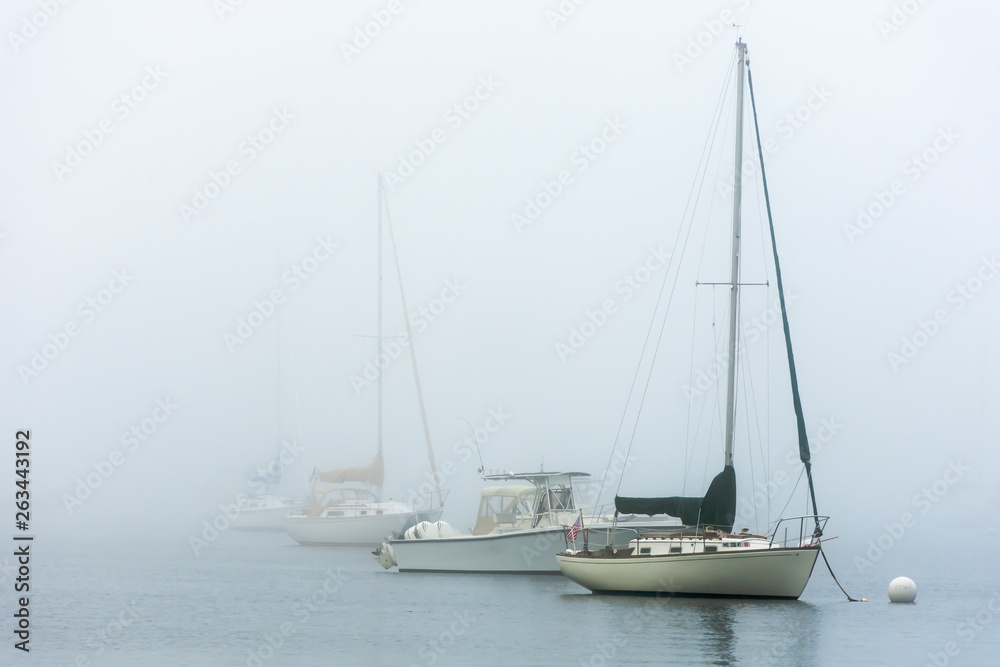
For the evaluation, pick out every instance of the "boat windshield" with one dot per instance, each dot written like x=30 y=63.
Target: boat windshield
x=558 y=499
x=506 y=506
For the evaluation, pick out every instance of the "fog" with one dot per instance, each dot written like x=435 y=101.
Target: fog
x=171 y=168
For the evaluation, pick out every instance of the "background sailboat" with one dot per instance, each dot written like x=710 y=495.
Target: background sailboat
x=351 y=510
x=266 y=506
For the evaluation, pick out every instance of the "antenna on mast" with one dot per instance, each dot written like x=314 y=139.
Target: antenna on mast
x=482 y=468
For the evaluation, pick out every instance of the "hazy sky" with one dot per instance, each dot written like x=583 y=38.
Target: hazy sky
x=171 y=167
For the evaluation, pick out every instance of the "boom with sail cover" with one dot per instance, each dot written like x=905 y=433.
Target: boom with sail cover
x=717 y=508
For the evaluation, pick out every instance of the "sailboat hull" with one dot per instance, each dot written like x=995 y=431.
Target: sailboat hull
x=369 y=530
x=780 y=573
x=270 y=519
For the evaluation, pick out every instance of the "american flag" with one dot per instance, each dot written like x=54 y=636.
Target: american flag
x=575 y=529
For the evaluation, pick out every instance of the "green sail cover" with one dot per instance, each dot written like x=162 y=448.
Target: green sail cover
x=717 y=508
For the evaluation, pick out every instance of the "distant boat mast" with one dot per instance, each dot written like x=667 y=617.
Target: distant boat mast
x=409 y=334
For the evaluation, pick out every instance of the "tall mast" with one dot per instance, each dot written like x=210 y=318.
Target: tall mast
x=378 y=337
x=734 y=294
x=413 y=361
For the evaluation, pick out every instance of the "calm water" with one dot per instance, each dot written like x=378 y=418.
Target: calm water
x=115 y=604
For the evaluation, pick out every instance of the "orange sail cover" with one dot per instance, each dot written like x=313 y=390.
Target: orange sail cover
x=373 y=473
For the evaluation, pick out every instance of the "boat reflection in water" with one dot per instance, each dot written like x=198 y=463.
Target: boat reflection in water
x=701 y=631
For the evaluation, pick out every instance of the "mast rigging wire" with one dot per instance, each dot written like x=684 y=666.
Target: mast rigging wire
x=692 y=196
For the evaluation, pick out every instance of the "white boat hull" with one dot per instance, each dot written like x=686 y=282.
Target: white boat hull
x=763 y=573
x=369 y=530
x=531 y=551
x=271 y=518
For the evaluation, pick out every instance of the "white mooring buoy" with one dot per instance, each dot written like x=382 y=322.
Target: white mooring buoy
x=902 y=589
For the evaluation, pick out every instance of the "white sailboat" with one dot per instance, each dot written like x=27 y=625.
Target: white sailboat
x=521 y=525
x=265 y=509
x=706 y=558
x=352 y=511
